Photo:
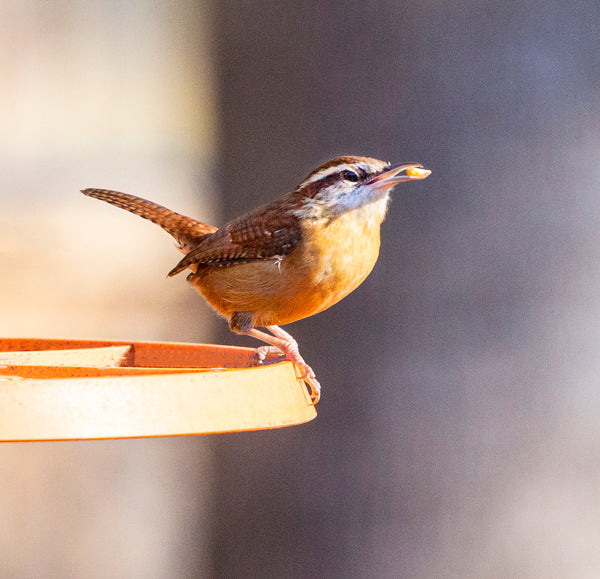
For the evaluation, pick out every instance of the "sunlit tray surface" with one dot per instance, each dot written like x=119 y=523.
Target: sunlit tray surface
x=85 y=389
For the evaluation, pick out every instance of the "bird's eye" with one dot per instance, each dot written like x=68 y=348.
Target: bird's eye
x=349 y=176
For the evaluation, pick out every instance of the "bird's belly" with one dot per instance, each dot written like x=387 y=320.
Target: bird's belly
x=316 y=275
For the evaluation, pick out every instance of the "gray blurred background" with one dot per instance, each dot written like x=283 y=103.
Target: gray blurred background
x=458 y=434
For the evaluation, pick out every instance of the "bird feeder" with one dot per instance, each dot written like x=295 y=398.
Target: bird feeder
x=84 y=389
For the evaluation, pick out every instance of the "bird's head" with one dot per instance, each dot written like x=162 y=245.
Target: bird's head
x=347 y=183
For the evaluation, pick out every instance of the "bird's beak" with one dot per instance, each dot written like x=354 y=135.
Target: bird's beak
x=398 y=173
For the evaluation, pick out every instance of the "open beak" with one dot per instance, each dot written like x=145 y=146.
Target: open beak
x=399 y=173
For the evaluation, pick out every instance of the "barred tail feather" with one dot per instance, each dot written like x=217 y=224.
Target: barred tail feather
x=184 y=229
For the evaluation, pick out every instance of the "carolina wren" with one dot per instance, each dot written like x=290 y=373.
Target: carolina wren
x=288 y=259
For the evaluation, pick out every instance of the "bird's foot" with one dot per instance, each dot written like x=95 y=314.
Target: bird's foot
x=271 y=355
x=266 y=355
x=310 y=379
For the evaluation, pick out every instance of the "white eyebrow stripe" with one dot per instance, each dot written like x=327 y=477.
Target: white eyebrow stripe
x=368 y=168
x=328 y=171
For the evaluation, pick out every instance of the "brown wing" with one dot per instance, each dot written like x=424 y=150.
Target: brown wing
x=260 y=235
x=184 y=229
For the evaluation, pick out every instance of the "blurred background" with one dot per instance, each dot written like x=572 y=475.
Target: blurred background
x=458 y=432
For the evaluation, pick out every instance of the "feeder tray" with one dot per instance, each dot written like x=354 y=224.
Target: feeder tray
x=84 y=389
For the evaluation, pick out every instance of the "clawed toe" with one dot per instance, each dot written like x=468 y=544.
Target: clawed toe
x=314 y=387
x=268 y=355
x=306 y=373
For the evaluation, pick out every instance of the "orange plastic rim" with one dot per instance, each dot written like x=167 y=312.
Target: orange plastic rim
x=90 y=389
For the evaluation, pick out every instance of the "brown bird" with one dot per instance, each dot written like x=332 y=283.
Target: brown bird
x=289 y=259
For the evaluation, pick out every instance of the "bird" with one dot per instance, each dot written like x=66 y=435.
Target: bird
x=288 y=259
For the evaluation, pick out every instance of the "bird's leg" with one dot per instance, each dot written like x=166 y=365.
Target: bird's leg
x=280 y=342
